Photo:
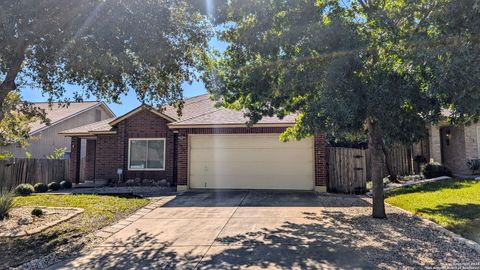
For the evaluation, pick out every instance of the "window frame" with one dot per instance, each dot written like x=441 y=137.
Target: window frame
x=146 y=154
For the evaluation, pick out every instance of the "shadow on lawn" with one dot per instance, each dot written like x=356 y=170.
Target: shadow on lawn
x=466 y=218
x=330 y=239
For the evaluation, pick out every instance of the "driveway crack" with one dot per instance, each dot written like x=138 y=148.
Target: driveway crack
x=221 y=230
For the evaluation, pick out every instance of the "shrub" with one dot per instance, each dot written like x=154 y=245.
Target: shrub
x=54 y=186
x=40 y=187
x=66 y=184
x=6 y=203
x=434 y=169
x=37 y=212
x=24 y=189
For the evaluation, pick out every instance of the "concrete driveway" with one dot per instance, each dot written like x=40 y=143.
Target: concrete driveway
x=277 y=230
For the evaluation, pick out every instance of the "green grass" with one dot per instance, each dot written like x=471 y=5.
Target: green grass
x=454 y=204
x=100 y=211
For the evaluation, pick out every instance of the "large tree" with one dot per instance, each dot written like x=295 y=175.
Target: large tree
x=388 y=67
x=106 y=46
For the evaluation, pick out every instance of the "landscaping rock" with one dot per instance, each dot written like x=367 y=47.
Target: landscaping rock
x=25 y=221
x=163 y=182
x=130 y=182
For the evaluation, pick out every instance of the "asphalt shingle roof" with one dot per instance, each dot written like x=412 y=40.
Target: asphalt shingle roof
x=57 y=113
x=197 y=111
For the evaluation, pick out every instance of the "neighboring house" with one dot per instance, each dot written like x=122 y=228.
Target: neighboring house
x=452 y=146
x=44 y=139
x=207 y=147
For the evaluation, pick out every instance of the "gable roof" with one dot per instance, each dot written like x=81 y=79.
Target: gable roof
x=137 y=110
x=58 y=112
x=198 y=111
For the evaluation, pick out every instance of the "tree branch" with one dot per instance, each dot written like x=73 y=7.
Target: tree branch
x=8 y=83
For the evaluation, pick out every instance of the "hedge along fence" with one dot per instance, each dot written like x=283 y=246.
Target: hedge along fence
x=15 y=171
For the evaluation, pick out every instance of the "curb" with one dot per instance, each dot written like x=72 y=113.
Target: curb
x=411 y=183
x=471 y=244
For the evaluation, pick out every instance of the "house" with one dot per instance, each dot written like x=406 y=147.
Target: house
x=206 y=147
x=44 y=139
x=452 y=146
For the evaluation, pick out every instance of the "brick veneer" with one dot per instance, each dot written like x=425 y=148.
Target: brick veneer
x=182 y=144
x=112 y=150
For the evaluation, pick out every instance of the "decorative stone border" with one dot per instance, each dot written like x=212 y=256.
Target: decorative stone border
x=411 y=183
x=46 y=226
x=109 y=230
x=432 y=225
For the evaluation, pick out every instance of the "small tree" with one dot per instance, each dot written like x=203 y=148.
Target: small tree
x=370 y=65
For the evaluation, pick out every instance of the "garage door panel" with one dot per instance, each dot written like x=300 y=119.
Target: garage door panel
x=237 y=182
x=248 y=168
x=242 y=155
x=242 y=141
x=250 y=162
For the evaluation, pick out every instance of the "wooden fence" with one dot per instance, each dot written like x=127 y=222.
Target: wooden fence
x=17 y=171
x=349 y=168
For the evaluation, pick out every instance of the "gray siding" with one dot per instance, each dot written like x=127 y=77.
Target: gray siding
x=46 y=141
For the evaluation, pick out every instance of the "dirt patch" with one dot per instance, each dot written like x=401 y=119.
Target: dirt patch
x=22 y=223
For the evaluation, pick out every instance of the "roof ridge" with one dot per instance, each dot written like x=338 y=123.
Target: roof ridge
x=196 y=116
x=79 y=102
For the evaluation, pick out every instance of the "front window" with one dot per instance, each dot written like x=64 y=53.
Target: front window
x=146 y=154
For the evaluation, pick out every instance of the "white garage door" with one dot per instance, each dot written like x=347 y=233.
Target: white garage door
x=250 y=162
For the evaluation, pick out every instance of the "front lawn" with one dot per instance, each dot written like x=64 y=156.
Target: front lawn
x=454 y=204
x=99 y=212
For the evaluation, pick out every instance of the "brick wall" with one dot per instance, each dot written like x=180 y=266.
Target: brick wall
x=182 y=165
x=112 y=150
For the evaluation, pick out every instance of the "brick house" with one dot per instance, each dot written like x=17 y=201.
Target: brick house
x=452 y=146
x=206 y=147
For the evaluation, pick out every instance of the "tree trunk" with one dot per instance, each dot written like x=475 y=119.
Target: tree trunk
x=14 y=68
x=392 y=177
x=375 y=145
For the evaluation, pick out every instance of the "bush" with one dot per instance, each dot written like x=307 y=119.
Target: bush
x=37 y=212
x=433 y=169
x=40 y=187
x=24 y=189
x=66 y=184
x=54 y=186
x=6 y=203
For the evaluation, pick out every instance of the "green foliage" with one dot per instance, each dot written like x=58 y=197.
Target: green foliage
x=65 y=184
x=57 y=153
x=17 y=118
x=106 y=47
x=6 y=203
x=5 y=154
x=24 y=190
x=434 y=169
x=40 y=187
x=37 y=212
x=54 y=186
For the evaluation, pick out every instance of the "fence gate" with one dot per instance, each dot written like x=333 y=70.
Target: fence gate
x=347 y=170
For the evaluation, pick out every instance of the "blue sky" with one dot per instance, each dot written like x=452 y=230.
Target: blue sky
x=128 y=102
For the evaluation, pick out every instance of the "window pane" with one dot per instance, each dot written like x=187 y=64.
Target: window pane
x=137 y=154
x=155 y=154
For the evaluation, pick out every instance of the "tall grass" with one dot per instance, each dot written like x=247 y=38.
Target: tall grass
x=6 y=203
